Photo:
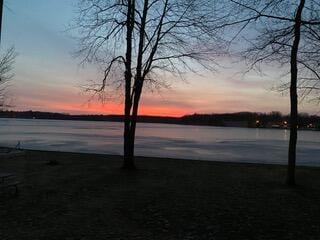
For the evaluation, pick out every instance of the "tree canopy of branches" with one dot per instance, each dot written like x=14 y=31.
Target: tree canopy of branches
x=286 y=32
x=6 y=67
x=141 y=39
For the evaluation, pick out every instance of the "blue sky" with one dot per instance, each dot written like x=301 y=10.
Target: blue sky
x=49 y=78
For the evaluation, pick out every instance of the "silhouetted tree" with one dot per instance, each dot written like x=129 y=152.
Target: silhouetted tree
x=6 y=65
x=6 y=74
x=142 y=39
x=287 y=32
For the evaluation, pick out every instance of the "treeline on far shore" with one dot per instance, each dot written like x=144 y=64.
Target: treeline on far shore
x=239 y=119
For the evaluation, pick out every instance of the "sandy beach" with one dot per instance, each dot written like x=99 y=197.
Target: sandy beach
x=88 y=196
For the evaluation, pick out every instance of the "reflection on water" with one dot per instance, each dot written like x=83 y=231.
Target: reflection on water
x=162 y=140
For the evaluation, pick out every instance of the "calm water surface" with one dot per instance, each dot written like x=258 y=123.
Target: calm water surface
x=162 y=140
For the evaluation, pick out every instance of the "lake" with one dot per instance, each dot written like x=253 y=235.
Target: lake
x=162 y=140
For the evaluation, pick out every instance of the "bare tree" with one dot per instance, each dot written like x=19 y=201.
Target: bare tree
x=6 y=67
x=142 y=39
x=286 y=32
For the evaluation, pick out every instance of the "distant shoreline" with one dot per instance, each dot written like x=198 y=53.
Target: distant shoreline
x=273 y=120
x=155 y=122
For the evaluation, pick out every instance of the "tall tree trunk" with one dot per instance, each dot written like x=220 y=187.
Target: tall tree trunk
x=294 y=98
x=130 y=128
x=128 y=161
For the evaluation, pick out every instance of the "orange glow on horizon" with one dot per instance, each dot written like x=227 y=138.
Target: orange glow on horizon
x=111 y=108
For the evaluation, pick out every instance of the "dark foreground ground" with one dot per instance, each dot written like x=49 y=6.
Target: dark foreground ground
x=89 y=197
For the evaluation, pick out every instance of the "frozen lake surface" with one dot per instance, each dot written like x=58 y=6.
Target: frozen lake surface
x=162 y=140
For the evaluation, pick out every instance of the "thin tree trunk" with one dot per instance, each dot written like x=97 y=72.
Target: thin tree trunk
x=134 y=118
x=128 y=161
x=294 y=98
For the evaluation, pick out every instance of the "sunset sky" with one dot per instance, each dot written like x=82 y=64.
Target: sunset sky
x=49 y=78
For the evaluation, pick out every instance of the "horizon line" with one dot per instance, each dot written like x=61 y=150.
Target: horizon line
x=160 y=116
